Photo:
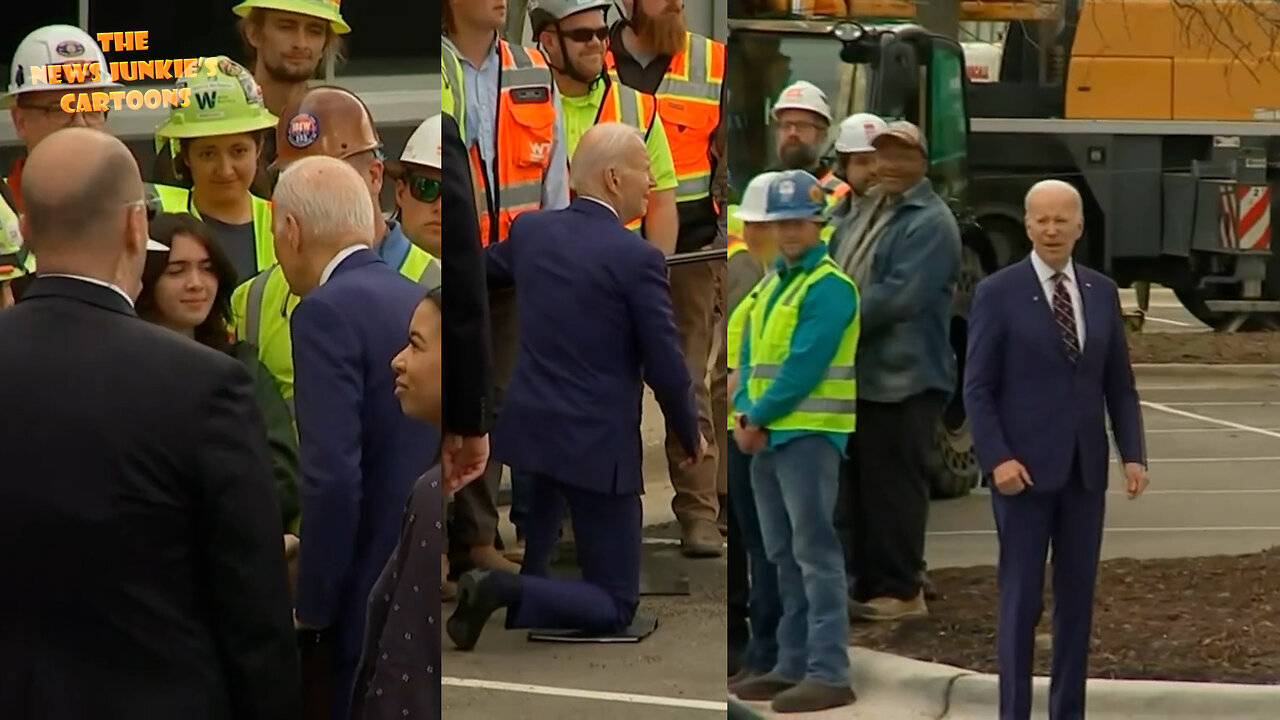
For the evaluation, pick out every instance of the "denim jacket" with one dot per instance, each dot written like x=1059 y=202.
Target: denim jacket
x=906 y=304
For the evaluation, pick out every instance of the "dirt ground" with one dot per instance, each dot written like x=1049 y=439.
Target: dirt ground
x=1195 y=619
x=1205 y=347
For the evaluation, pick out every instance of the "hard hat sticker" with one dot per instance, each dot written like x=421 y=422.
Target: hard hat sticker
x=303 y=130
x=230 y=68
x=786 y=189
x=70 y=49
x=815 y=193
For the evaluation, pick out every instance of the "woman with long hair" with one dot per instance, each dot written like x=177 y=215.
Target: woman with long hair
x=187 y=288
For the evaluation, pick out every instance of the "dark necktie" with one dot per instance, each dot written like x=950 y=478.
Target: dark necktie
x=1065 y=315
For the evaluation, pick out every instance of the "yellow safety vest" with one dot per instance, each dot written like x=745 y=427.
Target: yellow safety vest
x=452 y=98
x=737 y=324
x=11 y=226
x=178 y=200
x=832 y=406
x=262 y=306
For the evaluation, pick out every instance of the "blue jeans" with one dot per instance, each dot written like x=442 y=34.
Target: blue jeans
x=795 y=487
x=521 y=492
x=764 y=608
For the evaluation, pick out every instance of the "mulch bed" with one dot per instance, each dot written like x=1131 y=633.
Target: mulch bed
x=1195 y=619
x=1205 y=347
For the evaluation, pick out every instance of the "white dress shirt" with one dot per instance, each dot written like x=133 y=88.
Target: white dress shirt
x=598 y=201
x=343 y=254
x=91 y=281
x=1045 y=274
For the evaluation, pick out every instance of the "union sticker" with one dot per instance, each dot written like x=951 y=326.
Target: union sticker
x=303 y=130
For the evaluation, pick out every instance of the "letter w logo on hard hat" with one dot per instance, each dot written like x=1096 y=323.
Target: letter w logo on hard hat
x=207 y=100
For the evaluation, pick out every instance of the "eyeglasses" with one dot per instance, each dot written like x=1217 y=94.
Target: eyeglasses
x=55 y=114
x=423 y=188
x=585 y=35
x=796 y=125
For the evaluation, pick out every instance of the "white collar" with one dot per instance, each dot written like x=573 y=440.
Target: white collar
x=343 y=254
x=598 y=201
x=1046 y=273
x=92 y=281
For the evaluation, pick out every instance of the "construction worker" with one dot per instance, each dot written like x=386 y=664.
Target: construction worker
x=334 y=122
x=802 y=121
x=453 y=100
x=796 y=408
x=754 y=606
x=418 y=176
x=855 y=161
x=35 y=104
x=514 y=129
x=214 y=144
x=571 y=35
x=653 y=51
x=15 y=264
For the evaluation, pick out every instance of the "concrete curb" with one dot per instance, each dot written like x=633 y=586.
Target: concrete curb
x=1201 y=371
x=952 y=693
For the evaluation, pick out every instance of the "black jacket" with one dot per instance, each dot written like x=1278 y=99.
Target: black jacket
x=140 y=546
x=468 y=359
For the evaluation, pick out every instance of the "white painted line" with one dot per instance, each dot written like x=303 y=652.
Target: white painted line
x=629 y=698
x=1178 y=461
x=1212 y=420
x=1180 y=431
x=1268 y=386
x=1179 y=323
x=1224 y=403
x=660 y=541
x=1216 y=491
x=1140 y=530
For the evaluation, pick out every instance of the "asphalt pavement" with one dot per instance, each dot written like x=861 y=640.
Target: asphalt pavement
x=677 y=673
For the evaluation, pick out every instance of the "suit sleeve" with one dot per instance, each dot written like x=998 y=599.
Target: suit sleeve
x=329 y=388
x=499 y=262
x=982 y=370
x=1121 y=392
x=653 y=322
x=468 y=356
x=239 y=529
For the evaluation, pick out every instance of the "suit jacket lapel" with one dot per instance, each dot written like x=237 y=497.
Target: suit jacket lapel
x=1044 y=322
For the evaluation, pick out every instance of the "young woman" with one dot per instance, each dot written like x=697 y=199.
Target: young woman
x=187 y=289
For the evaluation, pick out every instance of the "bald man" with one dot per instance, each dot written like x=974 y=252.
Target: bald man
x=1047 y=364
x=571 y=419
x=360 y=455
x=140 y=540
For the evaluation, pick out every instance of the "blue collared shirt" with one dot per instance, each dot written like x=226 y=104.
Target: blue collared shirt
x=825 y=312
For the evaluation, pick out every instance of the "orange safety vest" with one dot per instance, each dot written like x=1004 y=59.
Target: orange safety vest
x=736 y=245
x=689 y=105
x=834 y=187
x=525 y=126
x=630 y=107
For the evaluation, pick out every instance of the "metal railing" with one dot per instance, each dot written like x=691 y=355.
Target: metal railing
x=697 y=256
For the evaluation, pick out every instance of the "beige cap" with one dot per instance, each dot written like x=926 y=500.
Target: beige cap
x=903 y=131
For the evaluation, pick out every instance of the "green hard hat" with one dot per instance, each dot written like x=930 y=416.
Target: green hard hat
x=226 y=102
x=323 y=9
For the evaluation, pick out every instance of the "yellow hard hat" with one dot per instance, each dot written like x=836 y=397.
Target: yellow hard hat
x=323 y=9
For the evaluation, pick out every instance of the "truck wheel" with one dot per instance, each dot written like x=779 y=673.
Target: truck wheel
x=953 y=465
x=1194 y=302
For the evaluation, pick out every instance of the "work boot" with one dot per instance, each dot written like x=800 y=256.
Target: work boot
x=722 y=520
x=448 y=588
x=891 y=608
x=810 y=696
x=701 y=539
x=479 y=596
x=742 y=676
x=926 y=585
x=762 y=688
x=488 y=557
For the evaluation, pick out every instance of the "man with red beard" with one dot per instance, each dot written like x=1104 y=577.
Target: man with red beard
x=653 y=52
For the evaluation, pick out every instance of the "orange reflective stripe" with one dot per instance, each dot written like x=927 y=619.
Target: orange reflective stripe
x=631 y=107
x=689 y=104
x=525 y=132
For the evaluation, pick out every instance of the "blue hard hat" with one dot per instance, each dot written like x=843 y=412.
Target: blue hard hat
x=794 y=195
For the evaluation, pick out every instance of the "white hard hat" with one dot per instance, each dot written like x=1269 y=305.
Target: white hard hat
x=803 y=95
x=753 y=198
x=857 y=131
x=423 y=147
x=56 y=45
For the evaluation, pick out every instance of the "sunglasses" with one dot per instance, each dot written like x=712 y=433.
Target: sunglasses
x=423 y=188
x=585 y=35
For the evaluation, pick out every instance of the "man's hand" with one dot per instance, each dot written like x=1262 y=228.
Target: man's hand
x=1011 y=478
x=702 y=452
x=464 y=459
x=751 y=439
x=1136 y=475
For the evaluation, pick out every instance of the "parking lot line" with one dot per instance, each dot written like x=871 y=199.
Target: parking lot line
x=573 y=693
x=1180 y=431
x=1166 y=321
x=1224 y=403
x=1248 y=528
x=1165 y=408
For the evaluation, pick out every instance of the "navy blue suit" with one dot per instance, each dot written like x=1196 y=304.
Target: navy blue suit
x=360 y=454
x=596 y=324
x=1027 y=401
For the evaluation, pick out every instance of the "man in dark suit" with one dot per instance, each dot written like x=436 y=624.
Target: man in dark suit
x=468 y=368
x=360 y=454
x=595 y=325
x=1047 y=363
x=140 y=539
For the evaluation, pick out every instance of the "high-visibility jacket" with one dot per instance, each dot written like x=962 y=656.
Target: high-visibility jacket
x=452 y=88
x=835 y=189
x=689 y=105
x=525 y=133
x=262 y=306
x=628 y=106
x=737 y=322
x=832 y=406
x=178 y=200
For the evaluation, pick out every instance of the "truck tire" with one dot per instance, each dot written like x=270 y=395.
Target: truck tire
x=1194 y=302
x=953 y=465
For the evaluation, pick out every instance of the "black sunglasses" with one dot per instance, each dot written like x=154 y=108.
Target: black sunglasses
x=423 y=188
x=584 y=35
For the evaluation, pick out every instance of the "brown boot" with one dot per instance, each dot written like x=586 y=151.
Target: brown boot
x=701 y=539
x=810 y=696
x=889 y=608
x=762 y=688
x=487 y=557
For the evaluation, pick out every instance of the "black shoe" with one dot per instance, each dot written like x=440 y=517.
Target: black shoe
x=477 y=600
x=926 y=584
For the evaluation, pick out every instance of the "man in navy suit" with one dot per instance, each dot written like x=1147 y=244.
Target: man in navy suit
x=1047 y=363
x=596 y=324
x=360 y=454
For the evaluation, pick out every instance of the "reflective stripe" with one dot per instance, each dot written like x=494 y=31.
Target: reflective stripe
x=431 y=277
x=693 y=188
x=696 y=83
x=628 y=107
x=522 y=195
x=769 y=372
x=820 y=405
x=253 y=307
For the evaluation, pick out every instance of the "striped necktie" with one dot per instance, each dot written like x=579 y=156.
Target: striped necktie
x=1065 y=315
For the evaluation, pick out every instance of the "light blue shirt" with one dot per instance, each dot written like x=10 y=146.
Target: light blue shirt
x=482 y=112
